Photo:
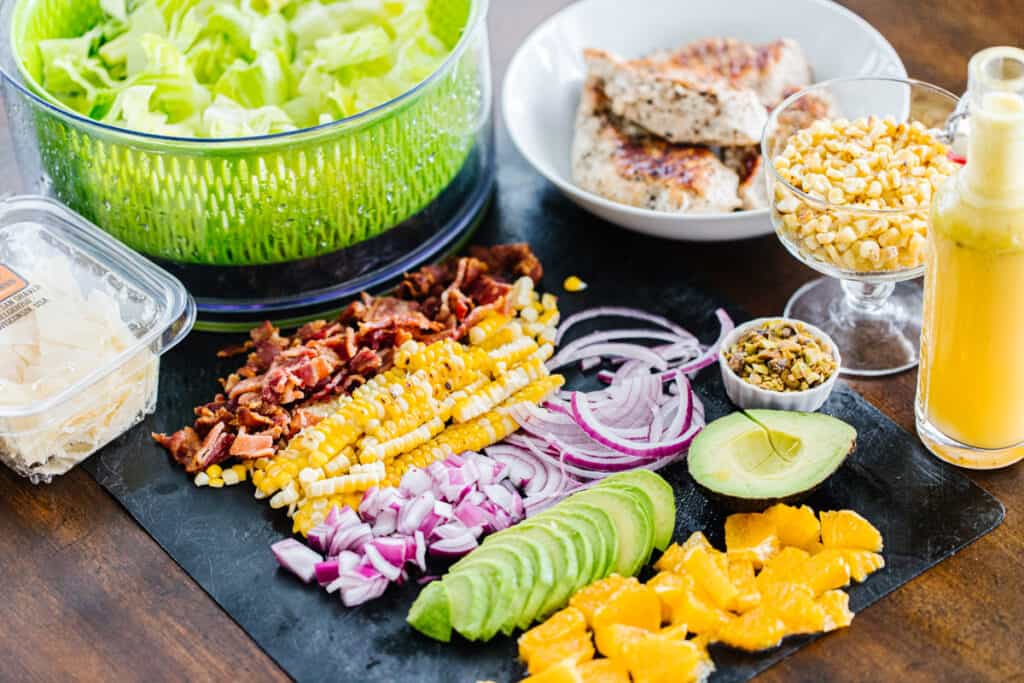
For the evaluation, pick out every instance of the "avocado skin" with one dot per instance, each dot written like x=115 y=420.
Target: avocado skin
x=734 y=503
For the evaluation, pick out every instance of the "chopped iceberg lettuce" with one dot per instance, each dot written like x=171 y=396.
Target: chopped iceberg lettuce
x=232 y=68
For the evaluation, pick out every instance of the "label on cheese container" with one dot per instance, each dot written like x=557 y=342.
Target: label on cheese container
x=10 y=283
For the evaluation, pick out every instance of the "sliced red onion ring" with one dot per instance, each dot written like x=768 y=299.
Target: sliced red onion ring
x=620 y=312
x=612 y=350
x=603 y=435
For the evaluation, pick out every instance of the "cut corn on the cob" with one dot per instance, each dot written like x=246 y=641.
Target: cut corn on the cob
x=486 y=327
x=400 y=418
x=497 y=391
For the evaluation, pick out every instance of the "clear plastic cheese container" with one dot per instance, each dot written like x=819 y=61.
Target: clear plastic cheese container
x=83 y=323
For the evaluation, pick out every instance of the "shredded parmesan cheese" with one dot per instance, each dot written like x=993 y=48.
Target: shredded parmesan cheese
x=61 y=324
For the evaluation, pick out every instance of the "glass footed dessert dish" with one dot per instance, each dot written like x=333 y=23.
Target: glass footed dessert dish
x=853 y=165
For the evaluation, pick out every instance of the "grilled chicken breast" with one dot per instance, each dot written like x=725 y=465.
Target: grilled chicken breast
x=748 y=164
x=678 y=105
x=625 y=164
x=772 y=70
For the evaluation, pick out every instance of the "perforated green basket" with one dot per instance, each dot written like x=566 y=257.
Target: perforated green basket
x=266 y=200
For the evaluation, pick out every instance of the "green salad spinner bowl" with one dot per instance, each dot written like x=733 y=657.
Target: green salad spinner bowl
x=290 y=221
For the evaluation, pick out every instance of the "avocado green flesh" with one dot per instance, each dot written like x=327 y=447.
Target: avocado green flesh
x=515 y=581
x=501 y=578
x=767 y=455
x=642 y=497
x=584 y=551
x=526 y=572
x=431 y=613
x=602 y=533
x=663 y=498
x=542 y=571
x=468 y=598
x=635 y=530
x=586 y=534
x=562 y=552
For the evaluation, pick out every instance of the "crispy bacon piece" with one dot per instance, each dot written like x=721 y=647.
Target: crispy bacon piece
x=182 y=444
x=510 y=261
x=252 y=446
x=262 y=404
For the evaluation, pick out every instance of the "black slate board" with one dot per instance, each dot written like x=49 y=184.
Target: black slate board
x=925 y=510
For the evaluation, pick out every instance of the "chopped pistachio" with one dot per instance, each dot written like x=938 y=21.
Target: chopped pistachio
x=781 y=355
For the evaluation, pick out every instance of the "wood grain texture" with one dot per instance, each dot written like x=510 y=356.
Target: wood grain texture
x=89 y=596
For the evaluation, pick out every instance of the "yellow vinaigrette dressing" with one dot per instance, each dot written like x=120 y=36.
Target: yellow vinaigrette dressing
x=970 y=405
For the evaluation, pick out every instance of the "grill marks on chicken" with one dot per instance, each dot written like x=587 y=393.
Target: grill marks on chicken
x=650 y=131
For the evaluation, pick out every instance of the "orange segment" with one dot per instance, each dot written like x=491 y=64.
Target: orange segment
x=837 y=609
x=754 y=631
x=741 y=573
x=847 y=529
x=563 y=672
x=672 y=558
x=663 y=660
x=567 y=623
x=634 y=604
x=795 y=526
x=677 y=632
x=710 y=570
x=782 y=567
x=612 y=640
x=794 y=603
x=604 y=671
x=825 y=571
x=588 y=599
x=670 y=588
x=687 y=605
x=752 y=537
x=862 y=563
x=576 y=649
x=701 y=642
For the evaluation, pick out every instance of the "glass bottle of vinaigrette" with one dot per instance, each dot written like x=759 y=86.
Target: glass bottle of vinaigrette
x=970 y=401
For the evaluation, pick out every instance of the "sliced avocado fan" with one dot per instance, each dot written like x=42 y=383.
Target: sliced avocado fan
x=759 y=457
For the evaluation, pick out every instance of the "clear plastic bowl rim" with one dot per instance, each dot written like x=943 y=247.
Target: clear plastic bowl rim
x=477 y=17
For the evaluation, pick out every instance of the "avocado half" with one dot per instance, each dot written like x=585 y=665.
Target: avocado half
x=755 y=458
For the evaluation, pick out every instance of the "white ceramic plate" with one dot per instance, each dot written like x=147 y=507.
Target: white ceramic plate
x=542 y=87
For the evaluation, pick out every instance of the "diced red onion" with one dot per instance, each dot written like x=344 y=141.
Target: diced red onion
x=368 y=590
x=387 y=522
x=502 y=497
x=415 y=482
x=415 y=511
x=327 y=571
x=319 y=537
x=350 y=538
x=457 y=546
x=451 y=530
x=381 y=563
x=297 y=558
x=420 y=556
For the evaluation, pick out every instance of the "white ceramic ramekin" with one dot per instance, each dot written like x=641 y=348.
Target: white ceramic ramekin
x=748 y=396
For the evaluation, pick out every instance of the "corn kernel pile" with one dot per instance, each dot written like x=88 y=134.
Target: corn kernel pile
x=438 y=399
x=868 y=163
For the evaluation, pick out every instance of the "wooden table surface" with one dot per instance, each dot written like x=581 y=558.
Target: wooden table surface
x=89 y=596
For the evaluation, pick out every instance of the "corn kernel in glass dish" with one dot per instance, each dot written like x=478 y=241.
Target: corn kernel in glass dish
x=856 y=194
